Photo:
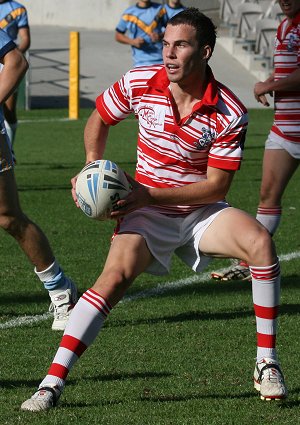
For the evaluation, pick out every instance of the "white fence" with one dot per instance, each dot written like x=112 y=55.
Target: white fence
x=91 y=14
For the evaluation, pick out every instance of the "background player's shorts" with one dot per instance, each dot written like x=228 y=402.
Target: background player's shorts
x=277 y=142
x=169 y=234
x=6 y=158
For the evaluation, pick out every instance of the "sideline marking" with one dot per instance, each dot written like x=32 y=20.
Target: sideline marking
x=153 y=292
x=161 y=288
x=65 y=119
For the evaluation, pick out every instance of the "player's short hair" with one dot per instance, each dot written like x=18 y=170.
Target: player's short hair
x=206 y=31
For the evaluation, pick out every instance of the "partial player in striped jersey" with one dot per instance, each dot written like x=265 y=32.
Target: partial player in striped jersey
x=282 y=148
x=191 y=136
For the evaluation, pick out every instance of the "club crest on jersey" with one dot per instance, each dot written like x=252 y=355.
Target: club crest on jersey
x=205 y=140
x=291 y=43
x=151 y=117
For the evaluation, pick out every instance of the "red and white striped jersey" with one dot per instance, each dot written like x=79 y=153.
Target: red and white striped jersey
x=286 y=60
x=172 y=153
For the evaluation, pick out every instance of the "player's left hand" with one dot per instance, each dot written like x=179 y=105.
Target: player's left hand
x=138 y=197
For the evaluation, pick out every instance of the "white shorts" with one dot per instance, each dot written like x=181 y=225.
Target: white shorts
x=169 y=234
x=277 y=142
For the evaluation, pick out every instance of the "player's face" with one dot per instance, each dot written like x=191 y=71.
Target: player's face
x=183 y=59
x=290 y=7
x=144 y=3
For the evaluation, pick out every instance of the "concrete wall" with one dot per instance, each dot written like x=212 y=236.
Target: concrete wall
x=92 y=14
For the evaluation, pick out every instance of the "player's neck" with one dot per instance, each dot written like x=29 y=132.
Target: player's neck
x=143 y=4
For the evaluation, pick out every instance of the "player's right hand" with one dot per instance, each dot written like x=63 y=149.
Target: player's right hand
x=73 y=190
x=138 y=42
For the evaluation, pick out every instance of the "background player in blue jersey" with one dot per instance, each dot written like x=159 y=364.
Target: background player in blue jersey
x=144 y=23
x=14 y=21
x=29 y=236
x=173 y=7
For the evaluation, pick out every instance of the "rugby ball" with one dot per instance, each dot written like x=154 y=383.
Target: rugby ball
x=99 y=186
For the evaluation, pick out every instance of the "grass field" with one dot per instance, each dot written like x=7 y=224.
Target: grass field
x=179 y=350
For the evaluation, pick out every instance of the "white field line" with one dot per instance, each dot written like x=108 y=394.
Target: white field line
x=158 y=290
x=42 y=120
x=30 y=121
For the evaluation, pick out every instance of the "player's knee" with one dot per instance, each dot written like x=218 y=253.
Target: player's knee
x=112 y=285
x=261 y=248
x=14 y=225
x=117 y=278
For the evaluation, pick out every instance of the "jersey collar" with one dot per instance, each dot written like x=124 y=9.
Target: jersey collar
x=160 y=82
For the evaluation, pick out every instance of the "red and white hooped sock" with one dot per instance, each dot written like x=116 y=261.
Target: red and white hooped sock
x=266 y=298
x=269 y=218
x=86 y=321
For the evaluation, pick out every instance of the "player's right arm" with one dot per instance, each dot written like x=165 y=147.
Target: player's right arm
x=25 y=40
x=15 y=67
x=95 y=136
x=124 y=39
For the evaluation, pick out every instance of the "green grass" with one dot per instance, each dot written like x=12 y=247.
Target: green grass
x=185 y=357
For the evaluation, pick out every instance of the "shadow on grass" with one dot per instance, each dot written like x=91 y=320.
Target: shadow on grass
x=24 y=298
x=195 y=289
x=213 y=287
x=121 y=376
x=283 y=404
x=289 y=309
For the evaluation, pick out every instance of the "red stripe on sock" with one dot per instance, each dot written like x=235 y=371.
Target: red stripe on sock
x=266 y=312
x=99 y=300
x=102 y=299
x=269 y=211
x=97 y=306
x=58 y=370
x=265 y=273
x=73 y=344
x=266 y=341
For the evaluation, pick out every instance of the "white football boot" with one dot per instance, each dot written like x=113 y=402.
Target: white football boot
x=269 y=380
x=238 y=270
x=43 y=399
x=62 y=304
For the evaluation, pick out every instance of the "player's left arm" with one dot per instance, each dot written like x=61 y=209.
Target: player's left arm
x=15 y=66
x=212 y=189
x=24 y=39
